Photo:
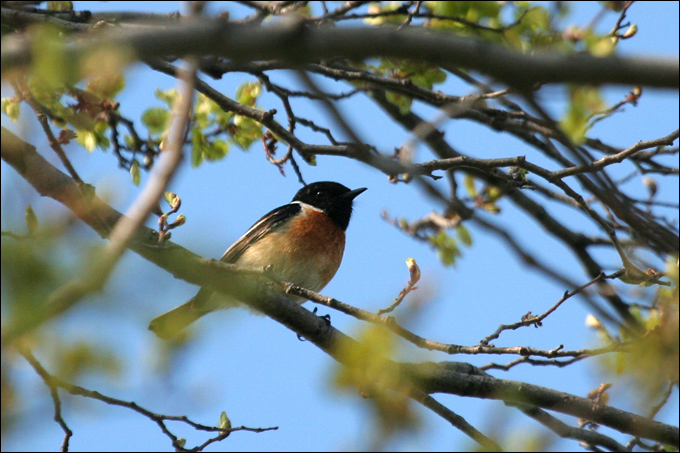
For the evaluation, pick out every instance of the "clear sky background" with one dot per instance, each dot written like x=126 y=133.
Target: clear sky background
x=256 y=370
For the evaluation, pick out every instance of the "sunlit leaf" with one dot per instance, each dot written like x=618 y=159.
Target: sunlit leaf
x=156 y=120
x=464 y=235
x=134 y=173
x=11 y=108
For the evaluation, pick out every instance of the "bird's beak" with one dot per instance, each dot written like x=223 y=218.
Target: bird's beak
x=352 y=194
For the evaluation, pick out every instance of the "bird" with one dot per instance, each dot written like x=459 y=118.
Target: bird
x=302 y=242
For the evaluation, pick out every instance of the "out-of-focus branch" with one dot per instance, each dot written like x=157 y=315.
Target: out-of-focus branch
x=587 y=436
x=121 y=233
x=455 y=419
x=292 y=41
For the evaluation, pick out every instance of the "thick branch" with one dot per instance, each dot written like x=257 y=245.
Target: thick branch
x=292 y=41
x=445 y=378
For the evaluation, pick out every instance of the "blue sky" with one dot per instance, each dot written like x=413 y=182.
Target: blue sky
x=256 y=370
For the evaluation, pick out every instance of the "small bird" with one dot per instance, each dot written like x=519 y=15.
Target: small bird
x=302 y=241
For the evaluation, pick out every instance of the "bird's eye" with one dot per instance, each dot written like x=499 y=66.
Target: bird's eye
x=318 y=194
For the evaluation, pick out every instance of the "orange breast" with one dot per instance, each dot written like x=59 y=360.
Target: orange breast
x=309 y=256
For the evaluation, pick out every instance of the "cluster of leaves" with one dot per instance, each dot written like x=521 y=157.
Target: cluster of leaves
x=524 y=26
x=209 y=123
x=85 y=114
x=51 y=86
x=448 y=249
x=419 y=73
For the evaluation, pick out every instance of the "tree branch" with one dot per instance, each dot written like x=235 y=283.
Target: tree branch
x=292 y=41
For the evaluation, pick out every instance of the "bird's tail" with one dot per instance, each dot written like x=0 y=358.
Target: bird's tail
x=171 y=323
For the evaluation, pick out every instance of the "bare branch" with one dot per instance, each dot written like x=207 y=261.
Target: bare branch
x=536 y=320
x=618 y=157
x=54 y=382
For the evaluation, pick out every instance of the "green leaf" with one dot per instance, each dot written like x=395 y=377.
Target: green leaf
x=401 y=101
x=170 y=197
x=469 y=183
x=602 y=46
x=310 y=159
x=585 y=101
x=217 y=150
x=87 y=139
x=134 y=173
x=82 y=358
x=11 y=108
x=447 y=248
x=29 y=276
x=493 y=193
x=491 y=207
x=464 y=235
x=91 y=138
x=198 y=147
x=156 y=120
x=60 y=6
x=170 y=97
x=82 y=121
x=107 y=86
x=224 y=423
x=50 y=65
x=248 y=93
x=31 y=220
x=196 y=156
x=246 y=132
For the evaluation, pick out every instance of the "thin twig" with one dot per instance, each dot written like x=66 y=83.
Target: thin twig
x=54 y=382
x=536 y=320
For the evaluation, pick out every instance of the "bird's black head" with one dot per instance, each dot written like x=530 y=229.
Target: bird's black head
x=332 y=198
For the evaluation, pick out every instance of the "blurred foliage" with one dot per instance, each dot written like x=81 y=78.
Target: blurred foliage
x=447 y=248
x=30 y=273
x=34 y=266
x=418 y=73
x=211 y=124
x=652 y=361
x=60 y=6
x=74 y=360
x=11 y=107
x=585 y=102
x=485 y=198
x=524 y=26
x=365 y=367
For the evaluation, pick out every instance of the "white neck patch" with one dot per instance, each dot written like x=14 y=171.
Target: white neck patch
x=307 y=206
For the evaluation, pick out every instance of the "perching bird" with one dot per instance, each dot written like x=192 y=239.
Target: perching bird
x=302 y=241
